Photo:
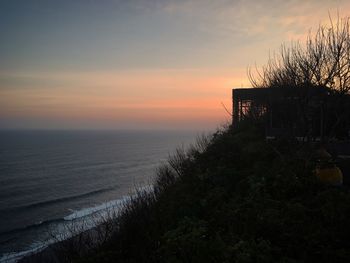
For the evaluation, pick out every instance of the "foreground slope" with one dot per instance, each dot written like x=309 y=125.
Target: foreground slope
x=234 y=198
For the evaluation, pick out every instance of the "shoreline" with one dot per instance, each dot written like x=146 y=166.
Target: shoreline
x=84 y=223
x=93 y=228
x=53 y=252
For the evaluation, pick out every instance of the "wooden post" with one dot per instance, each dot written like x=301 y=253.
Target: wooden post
x=235 y=105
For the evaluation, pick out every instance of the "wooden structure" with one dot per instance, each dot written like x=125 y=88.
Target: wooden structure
x=294 y=111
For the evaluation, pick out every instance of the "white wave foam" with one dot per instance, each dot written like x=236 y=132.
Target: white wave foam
x=83 y=220
x=92 y=210
x=113 y=205
x=13 y=257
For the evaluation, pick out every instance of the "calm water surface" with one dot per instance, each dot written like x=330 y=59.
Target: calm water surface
x=49 y=177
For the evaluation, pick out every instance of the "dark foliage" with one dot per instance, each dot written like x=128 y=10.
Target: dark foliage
x=234 y=198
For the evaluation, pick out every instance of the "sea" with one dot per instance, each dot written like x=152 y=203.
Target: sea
x=49 y=179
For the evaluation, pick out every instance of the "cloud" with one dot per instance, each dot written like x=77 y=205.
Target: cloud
x=253 y=17
x=137 y=59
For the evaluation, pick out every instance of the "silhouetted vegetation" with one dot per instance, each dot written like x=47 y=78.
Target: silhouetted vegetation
x=234 y=198
x=322 y=65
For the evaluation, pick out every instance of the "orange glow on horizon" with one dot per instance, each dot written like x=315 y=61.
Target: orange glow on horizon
x=179 y=96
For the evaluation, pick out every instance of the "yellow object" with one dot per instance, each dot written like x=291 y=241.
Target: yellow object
x=330 y=175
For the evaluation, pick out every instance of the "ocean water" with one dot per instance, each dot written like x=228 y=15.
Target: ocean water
x=49 y=178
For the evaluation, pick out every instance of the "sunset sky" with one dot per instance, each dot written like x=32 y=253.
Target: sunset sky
x=137 y=64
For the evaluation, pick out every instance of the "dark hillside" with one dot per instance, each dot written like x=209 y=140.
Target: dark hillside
x=234 y=198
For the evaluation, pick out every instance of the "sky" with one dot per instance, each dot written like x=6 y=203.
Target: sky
x=139 y=64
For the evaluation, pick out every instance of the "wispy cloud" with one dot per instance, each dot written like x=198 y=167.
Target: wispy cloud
x=155 y=60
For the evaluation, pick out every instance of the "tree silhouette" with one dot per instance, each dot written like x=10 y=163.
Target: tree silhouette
x=322 y=63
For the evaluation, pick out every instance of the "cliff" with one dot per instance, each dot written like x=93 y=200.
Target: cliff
x=233 y=197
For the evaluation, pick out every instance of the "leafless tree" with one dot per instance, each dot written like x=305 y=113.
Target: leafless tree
x=322 y=62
